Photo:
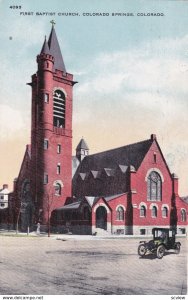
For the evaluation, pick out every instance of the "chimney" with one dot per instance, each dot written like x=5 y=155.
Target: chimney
x=5 y=186
x=153 y=137
x=175 y=184
x=14 y=184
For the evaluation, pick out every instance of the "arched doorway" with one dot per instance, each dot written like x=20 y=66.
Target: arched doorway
x=101 y=217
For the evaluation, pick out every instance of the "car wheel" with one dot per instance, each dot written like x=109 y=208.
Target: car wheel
x=160 y=251
x=177 y=249
x=142 y=250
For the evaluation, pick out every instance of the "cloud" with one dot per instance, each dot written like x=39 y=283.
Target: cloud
x=142 y=69
x=22 y=32
x=134 y=93
x=122 y=96
x=144 y=78
x=12 y=123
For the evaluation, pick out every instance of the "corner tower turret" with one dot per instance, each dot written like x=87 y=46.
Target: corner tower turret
x=82 y=150
x=45 y=59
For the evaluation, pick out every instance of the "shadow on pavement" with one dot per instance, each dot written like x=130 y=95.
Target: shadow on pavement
x=154 y=256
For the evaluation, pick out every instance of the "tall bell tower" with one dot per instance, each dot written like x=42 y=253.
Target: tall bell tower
x=51 y=130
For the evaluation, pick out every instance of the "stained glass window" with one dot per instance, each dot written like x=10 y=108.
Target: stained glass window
x=154 y=186
x=57 y=189
x=154 y=212
x=165 y=212
x=183 y=215
x=120 y=213
x=142 y=211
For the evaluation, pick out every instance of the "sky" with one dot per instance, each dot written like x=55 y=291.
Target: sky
x=131 y=72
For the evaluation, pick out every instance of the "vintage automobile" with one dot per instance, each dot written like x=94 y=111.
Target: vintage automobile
x=163 y=239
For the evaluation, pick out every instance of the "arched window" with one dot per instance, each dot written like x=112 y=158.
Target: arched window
x=165 y=212
x=142 y=211
x=154 y=212
x=183 y=215
x=59 y=109
x=154 y=186
x=120 y=213
x=57 y=189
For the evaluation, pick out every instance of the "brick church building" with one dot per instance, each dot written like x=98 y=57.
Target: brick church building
x=127 y=190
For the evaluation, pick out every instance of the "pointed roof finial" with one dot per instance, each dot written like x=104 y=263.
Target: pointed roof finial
x=82 y=145
x=52 y=22
x=45 y=48
x=55 y=50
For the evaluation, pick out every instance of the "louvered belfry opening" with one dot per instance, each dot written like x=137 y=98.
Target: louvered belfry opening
x=59 y=109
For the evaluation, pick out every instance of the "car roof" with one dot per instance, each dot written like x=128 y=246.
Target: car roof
x=159 y=228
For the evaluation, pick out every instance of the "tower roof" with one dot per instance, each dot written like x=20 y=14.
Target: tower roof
x=82 y=145
x=45 y=48
x=55 y=51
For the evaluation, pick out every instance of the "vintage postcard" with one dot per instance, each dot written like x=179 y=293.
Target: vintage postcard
x=94 y=148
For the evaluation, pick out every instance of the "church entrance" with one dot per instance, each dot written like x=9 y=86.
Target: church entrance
x=101 y=217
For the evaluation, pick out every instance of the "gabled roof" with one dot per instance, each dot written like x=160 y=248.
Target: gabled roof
x=94 y=173
x=55 y=51
x=184 y=199
x=113 y=167
x=82 y=145
x=132 y=154
x=4 y=191
x=82 y=175
x=75 y=164
x=28 y=150
x=109 y=198
x=74 y=205
x=27 y=157
x=108 y=172
x=123 y=168
x=91 y=200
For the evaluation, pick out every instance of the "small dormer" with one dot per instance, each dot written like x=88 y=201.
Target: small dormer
x=82 y=150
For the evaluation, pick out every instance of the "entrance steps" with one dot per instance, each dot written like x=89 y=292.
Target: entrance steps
x=101 y=232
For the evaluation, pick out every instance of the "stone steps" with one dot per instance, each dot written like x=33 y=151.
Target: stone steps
x=102 y=232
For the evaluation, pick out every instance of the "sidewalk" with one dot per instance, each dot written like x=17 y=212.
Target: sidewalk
x=59 y=236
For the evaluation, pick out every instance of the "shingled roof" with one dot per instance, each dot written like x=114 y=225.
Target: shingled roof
x=184 y=199
x=55 y=51
x=45 y=48
x=127 y=155
x=82 y=145
x=107 y=173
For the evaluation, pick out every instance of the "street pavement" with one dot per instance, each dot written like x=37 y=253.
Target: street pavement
x=87 y=265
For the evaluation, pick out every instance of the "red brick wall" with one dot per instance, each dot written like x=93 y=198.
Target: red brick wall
x=101 y=201
x=139 y=183
x=45 y=161
x=120 y=201
x=24 y=174
x=112 y=206
x=180 y=204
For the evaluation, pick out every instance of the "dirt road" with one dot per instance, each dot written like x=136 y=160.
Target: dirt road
x=47 y=266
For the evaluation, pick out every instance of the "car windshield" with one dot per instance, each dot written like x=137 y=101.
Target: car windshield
x=160 y=234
